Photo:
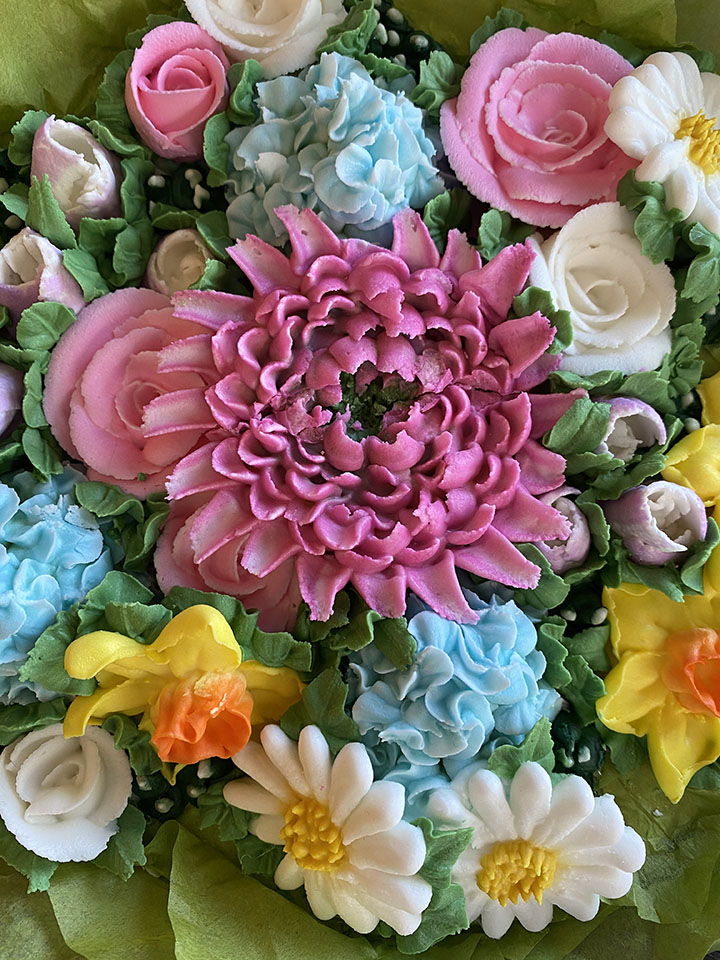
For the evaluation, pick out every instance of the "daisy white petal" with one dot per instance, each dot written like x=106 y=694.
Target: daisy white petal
x=487 y=796
x=347 y=905
x=410 y=894
x=253 y=760
x=578 y=903
x=316 y=761
x=496 y=920
x=530 y=796
x=352 y=775
x=319 y=894
x=268 y=829
x=249 y=795
x=283 y=752
x=289 y=876
x=380 y=809
x=400 y=850
x=572 y=801
x=532 y=915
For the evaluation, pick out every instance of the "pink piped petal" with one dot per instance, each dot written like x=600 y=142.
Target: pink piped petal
x=320 y=579
x=438 y=586
x=266 y=268
x=412 y=241
x=495 y=558
x=310 y=238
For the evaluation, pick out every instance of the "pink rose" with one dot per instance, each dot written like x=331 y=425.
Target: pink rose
x=526 y=133
x=176 y=82
x=103 y=372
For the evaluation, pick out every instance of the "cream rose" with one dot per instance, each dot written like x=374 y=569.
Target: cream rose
x=177 y=262
x=61 y=798
x=281 y=34
x=619 y=301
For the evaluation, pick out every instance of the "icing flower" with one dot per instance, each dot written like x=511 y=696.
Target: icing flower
x=84 y=176
x=620 y=302
x=51 y=553
x=572 y=552
x=695 y=460
x=11 y=395
x=62 y=798
x=102 y=374
x=176 y=82
x=632 y=424
x=536 y=847
x=281 y=34
x=197 y=697
x=31 y=270
x=465 y=682
x=341 y=146
x=177 y=262
x=665 y=684
x=658 y=522
x=665 y=114
x=359 y=432
x=343 y=836
x=526 y=132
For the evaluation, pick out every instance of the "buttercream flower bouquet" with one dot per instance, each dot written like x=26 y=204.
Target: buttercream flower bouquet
x=360 y=451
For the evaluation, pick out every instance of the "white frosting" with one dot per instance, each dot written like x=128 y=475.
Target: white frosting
x=619 y=301
x=29 y=257
x=383 y=853
x=647 y=108
x=281 y=34
x=61 y=797
x=177 y=262
x=595 y=853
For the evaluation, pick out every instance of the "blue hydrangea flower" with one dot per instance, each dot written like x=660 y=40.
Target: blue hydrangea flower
x=51 y=553
x=334 y=141
x=466 y=683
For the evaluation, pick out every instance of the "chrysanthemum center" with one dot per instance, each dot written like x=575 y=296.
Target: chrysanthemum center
x=514 y=869
x=311 y=837
x=704 y=149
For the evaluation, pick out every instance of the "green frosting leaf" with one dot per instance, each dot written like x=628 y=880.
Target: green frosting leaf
x=45 y=216
x=81 y=264
x=15 y=200
x=32 y=410
x=382 y=68
x=133 y=247
x=213 y=228
x=592 y=645
x=17 y=719
x=45 y=663
x=439 y=81
x=550 y=591
x=655 y=224
x=230 y=822
x=584 y=688
x=446 y=212
x=499 y=230
x=125 y=849
x=242 y=78
x=41 y=325
x=703 y=275
x=132 y=189
x=351 y=37
x=323 y=704
x=257 y=857
x=537 y=747
x=533 y=300
x=580 y=429
x=166 y=217
x=394 y=641
x=37 y=869
x=504 y=18
x=23 y=134
x=143 y=758
x=550 y=642
x=635 y=55
x=627 y=752
x=216 y=150
x=42 y=451
x=110 y=109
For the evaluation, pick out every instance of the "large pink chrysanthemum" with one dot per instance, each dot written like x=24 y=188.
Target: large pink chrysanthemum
x=373 y=425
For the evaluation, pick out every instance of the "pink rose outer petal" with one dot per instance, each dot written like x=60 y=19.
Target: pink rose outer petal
x=176 y=82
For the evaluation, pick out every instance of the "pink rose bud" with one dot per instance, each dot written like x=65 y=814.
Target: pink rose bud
x=632 y=424
x=11 y=394
x=31 y=269
x=563 y=555
x=176 y=82
x=657 y=522
x=177 y=262
x=84 y=175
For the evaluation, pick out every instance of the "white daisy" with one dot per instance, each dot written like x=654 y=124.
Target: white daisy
x=539 y=848
x=666 y=114
x=344 y=835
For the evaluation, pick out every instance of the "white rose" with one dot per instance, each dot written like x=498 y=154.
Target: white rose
x=619 y=301
x=281 y=34
x=177 y=262
x=61 y=797
x=84 y=175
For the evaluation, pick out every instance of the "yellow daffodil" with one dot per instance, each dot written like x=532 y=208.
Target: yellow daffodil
x=666 y=684
x=695 y=460
x=195 y=694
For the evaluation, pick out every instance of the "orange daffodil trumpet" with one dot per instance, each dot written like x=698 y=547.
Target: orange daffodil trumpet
x=196 y=696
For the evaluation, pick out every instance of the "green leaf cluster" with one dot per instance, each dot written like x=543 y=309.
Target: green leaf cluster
x=499 y=230
x=439 y=81
x=533 y=300
x=448 y=211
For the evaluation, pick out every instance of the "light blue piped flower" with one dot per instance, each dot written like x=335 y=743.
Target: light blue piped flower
x=467 y=683
x=333 y=141
x=52 y=552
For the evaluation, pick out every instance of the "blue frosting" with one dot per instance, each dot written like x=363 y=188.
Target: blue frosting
x=335 y=142
x=52 y=552
x=467 y=683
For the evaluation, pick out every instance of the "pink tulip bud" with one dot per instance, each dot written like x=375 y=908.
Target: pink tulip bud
x=32 y=269
x=563 y=555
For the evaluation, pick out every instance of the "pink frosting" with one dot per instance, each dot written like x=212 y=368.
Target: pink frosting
x=176 y=82
x=526 y=133
x=290 y=497
x=103 y=373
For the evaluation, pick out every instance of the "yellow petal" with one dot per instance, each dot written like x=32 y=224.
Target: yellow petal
x=709 y=391
x=642 y=619
x=635 y=691
x=273 y=690
x=695 y=462
x=680 y=743
x=88 y=655
x=197 y=640
x=130 y=697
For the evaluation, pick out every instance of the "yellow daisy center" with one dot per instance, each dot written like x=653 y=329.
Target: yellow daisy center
x=514 y=869
x=311 y=837
x=704 y=149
